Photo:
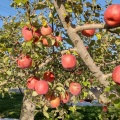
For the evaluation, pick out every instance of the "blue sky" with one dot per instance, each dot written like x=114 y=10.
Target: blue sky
x=6 y=10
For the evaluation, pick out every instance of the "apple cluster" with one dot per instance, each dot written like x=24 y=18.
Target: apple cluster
x=31 y=33
x=42 y=88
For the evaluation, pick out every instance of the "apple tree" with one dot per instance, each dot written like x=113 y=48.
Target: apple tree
x=61 y=52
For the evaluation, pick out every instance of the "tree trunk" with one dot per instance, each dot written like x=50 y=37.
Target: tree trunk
x=28 y=110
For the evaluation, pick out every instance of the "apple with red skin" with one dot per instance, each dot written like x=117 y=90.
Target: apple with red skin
x=54 y=101
x=49 y=76
x=41 y=87
x=104 y=108
x=116 y=74
x=25 y=61
x=75 y=88
x=30 y=33
x=68 y=61
x=58 y=39
x=65 y=98
x=112 y=15
x=44 y=42
x=31 y=82
x=45 y=30
x=88 y=33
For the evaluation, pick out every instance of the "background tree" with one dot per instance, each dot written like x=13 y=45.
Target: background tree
x=34 y=42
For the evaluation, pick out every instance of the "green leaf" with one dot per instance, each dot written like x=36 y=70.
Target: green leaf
x=107 y=89
x=50 y=41
x=9 y=72
x=34 y=93
x=67 y=83
x=60 y=89
x=112 y=96
x=59 y=84
x=85 y=83
x=5 y=59
x=73 y=108
x=88 y=4
x=39 y=6
x=69 y=42
x=45 y=113
x=6 y=89
x=21 y=1
x=85 y=94
x=117 y=42
x=45 y=107
x=97 y=14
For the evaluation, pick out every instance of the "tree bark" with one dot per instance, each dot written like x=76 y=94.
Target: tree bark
x=28 y=110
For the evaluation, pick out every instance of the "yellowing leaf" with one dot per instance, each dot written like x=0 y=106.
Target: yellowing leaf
x=98 y=36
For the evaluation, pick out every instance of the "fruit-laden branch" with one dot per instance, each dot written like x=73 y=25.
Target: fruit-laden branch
x=78 y=43
x=92 y=26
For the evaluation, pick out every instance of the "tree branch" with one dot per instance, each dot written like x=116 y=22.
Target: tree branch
x=45 y=63
x=108 y=75
x=92 y=26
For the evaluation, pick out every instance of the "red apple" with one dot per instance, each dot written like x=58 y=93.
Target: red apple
x=75 y=88
x=49 y=76
x=112 y=15
x=31 y=82
x=55 y=101
x=46 y=30
x=104 y=109
x=36 y=35
x=25 y=61
x=65 y=98
x=88 y=33
x=44 y=42
x=58 y=39
x=68 y=61
x=30 y=33
x=41 y=87
x=116 y=74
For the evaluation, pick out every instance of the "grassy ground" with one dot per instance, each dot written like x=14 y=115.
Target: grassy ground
x=10 y=108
